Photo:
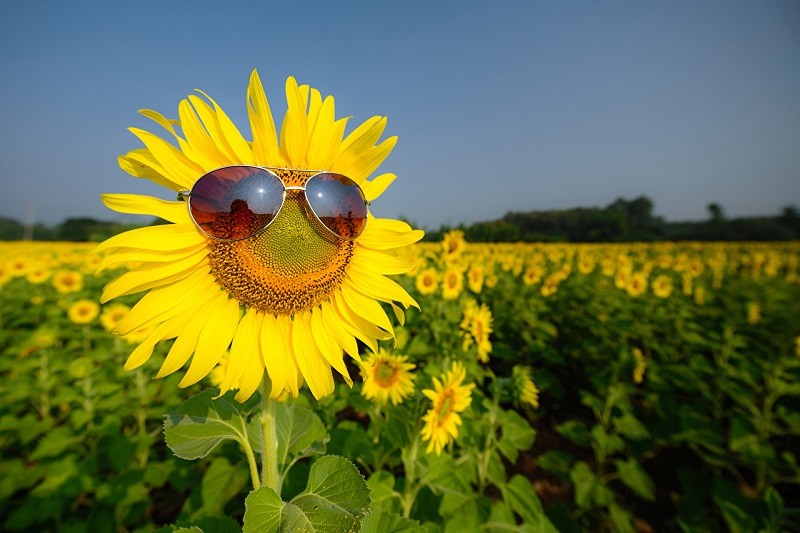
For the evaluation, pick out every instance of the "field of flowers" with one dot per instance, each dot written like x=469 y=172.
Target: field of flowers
x=635 y=387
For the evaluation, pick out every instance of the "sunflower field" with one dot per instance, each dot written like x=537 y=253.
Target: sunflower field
x=539 y=387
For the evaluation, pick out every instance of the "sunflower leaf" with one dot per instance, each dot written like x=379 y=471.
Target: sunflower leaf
x=335 y=499
x=301 y=433
x=201 y=423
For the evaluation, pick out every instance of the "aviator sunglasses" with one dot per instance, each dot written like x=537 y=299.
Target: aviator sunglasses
x=236 y=202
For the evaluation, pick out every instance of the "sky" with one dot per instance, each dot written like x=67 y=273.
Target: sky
x=498 y=106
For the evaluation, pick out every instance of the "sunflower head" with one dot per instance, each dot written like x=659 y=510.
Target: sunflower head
x=291 y=298
x=387 y=378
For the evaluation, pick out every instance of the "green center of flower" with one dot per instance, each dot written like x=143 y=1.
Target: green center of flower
x=445 y=407
x=292 y=266
x=385 y=374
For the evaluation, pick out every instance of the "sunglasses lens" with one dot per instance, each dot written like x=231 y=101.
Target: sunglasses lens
x=339 y=204
x=234 y=203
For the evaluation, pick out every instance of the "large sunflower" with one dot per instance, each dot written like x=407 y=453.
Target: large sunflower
x=290 y=300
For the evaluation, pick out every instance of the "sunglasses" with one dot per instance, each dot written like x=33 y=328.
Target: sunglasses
x=236 y=202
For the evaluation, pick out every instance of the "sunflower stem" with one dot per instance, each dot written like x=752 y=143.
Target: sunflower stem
x=269 y=458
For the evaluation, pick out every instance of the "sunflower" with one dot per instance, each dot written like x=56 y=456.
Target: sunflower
x=475 y=278
x=453 y=245
x=37 y=275
x=452 y=283
x=112 y=314
x=637 y=284
x=449 y=398
x=427 y=281
x=639 y=367
x=525 y=389
x=387 y=378
x=476 y=326
x=289 y=300
x=83 y=311
x=662 y=286
x=66 y=281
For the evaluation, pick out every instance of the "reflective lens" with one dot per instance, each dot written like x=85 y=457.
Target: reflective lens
x=234 y=203
x=338 y=203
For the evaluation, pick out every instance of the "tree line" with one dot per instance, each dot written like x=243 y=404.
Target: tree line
x=621 y=221
x=626 y=221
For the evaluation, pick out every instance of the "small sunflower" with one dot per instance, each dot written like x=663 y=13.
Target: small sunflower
x=525 y=389
x=449 y=398
x=289 y=300
x=83 y=311
x=387 y=378
x=639 y=367
x=662 y=286
x=475 y=278
x=427 y=281
x=453 y=245
x=476 y=326
x=67 y=281
x=112 y=314
x=637 y=284
x=452 y=283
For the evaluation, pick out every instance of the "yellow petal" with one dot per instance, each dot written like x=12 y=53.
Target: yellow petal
x=378 y=286
x=139 y=256
x=375 y=187
x=265 y=140
x=137 y=204
x=337 y=330
x=231 y=135
x=203 y=150
x=142 y=353
x=176 y=165
x=366 y=307
x=294 y=133
x=163 y=238
x=315 y=370
x=154 y=275
x=244 y=348
x=163 y=303
x=184 y=344
x=215 y=338
x=328 y=346
x=141 y=164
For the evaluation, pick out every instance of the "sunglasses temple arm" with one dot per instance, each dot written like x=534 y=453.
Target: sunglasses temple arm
x=183 y=195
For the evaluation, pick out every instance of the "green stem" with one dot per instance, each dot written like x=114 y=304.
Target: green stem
x=269 y=458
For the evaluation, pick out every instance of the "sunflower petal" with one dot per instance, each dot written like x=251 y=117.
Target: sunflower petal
x=328 y=346
x=155 y=238
x=137 y=204
x=216 y=336
x=265 y=139
x=315 y=370
x=242 y=350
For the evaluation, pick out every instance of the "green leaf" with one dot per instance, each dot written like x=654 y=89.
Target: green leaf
x=584 y=480
x=517 y=434
x=381 y=488
x=201 y=423
x=629 y=426
x=221 y=482
x=575 y=431
x=300 y=433
x=524 y=501
x=262 y=511
x=609 y=443
x=54 y=443
x=633 y=475
x=381 y=521
x=621 y=519
x=336 y=499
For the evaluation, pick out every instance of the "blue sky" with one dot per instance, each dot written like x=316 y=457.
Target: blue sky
x=498 y=106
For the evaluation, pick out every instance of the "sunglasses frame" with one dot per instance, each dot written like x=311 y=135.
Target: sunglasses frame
x=186 y=195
